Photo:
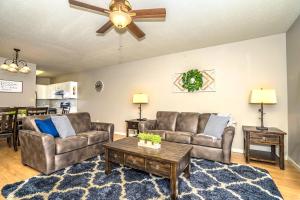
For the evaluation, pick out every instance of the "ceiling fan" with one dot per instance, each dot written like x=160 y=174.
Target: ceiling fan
x=121 y=15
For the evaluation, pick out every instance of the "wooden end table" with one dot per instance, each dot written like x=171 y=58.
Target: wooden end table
x=169 y=161
x=272 y=137
x=132 y=124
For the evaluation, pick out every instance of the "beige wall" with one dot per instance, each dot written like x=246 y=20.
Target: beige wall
x=27 y=98
x=240 y=67
x=293 y=72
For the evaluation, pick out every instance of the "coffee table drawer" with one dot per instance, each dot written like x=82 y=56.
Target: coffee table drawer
x=116 y=156
x=135 y=161
x=158 y=168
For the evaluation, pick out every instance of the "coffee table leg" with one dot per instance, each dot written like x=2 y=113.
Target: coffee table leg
x=173 y=182
x=107 y=163
x=188 y=167
x=187 y=171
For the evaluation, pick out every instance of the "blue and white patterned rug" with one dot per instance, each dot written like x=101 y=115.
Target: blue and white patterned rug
x=87 y=180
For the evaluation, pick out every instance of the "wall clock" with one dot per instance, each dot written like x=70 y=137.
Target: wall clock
x=99 y=86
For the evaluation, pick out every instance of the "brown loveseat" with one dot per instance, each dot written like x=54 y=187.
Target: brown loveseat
x=48 y=154
x=187 y=128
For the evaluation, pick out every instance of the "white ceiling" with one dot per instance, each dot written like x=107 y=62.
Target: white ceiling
x=61 y=39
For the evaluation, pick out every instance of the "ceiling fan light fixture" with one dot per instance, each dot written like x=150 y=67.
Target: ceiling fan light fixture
x=120 y=18
x=122 y=15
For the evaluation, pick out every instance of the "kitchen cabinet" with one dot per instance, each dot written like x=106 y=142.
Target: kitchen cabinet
x=42 y=91
x=51 y=91
x=68 y=89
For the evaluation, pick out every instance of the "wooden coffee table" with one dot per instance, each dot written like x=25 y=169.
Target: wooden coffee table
x=169 y=161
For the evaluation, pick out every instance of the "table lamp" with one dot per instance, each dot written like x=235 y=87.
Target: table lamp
x=140 y=99
x=263 y=96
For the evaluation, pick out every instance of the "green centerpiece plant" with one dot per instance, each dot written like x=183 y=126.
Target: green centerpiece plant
x=156 y=139
x=142 y=137
x=149 y=140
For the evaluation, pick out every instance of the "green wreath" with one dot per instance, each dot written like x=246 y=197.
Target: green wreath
x=192 y=80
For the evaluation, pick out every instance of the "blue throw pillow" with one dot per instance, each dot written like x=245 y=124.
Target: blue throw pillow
x=47 y=126
x=216 y=125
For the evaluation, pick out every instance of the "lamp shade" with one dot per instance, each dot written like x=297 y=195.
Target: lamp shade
x=140 y=98
x=267 y=96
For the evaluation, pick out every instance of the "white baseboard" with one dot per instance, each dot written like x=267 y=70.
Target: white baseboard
x=294 y=163
x=119 y=133
x=236 y=150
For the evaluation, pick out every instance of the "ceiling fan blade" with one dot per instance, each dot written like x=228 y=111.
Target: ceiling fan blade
x=150 y=13
x=105 y=27
x=88 y=6
x=133 y=28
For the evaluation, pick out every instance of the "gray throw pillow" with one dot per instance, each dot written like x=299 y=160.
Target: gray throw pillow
x=216 y=125
x=63 y=126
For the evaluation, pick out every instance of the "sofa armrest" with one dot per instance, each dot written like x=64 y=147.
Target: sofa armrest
x=109 y=127
x=227 y=140
x=147 y=125
x=38 y=150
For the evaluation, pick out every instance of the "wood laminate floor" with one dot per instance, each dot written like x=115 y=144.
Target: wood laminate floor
x=288 y=180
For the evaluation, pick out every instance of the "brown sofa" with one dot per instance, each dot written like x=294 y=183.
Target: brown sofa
x=187 y=128
x=48 y=154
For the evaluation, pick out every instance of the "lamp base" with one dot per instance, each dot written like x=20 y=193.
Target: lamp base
x=261 y=128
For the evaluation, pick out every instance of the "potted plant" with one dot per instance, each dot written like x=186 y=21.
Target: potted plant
x=156 y=141
x=149 y=140
x=142 y=138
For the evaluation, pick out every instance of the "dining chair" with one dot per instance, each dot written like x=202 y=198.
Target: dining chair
x=52 y=111
x=21 y=113
x=37 y=111
x=65 y=110
x=8 y=118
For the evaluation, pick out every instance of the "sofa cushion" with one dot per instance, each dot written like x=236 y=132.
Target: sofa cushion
x=179 y=137
x=187 y=122
x=81 y=122
x=72 y=143
x=216 y=125
x=205 y=140
x=63 y=126
x=203 y=119
x=162 y=133
x=95 y=136
x=166 y=120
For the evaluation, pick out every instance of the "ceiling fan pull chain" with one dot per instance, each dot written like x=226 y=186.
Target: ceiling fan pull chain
x=120 y=49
